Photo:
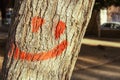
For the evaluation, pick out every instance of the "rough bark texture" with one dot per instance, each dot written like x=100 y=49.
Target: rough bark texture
x=38 y=27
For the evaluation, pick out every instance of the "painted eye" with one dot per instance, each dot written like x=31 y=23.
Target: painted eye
x=59 y=29
x=36 y=23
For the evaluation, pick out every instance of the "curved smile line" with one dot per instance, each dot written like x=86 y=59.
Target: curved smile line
x=18 y=54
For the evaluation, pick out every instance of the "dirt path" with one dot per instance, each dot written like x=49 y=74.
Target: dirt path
x=98 y=60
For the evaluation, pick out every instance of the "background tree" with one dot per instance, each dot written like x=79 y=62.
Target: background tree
x=45 y=39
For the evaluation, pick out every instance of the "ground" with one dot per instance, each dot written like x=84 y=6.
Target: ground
x=99 y=59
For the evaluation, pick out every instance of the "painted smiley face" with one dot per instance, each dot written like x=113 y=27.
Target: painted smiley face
x=54 y=52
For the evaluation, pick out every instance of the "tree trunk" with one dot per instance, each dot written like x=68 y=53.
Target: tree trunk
x=45 y=39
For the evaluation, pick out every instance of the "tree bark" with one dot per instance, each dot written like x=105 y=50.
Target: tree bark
x=45 y=39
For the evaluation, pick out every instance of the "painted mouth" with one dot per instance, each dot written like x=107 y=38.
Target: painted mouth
x=56 y=51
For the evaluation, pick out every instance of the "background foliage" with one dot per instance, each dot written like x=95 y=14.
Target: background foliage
x=105 y=3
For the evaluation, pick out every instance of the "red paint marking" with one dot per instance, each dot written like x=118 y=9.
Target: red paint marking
x=29 y=57
x=59 y=29
x=42 y=55
x=36 y=23
x=22 y=55
x=56 y=51
x=36 y=57
x=16 y=53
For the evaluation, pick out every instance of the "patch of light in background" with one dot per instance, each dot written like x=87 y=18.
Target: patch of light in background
x=103 y=16
x=94 y=42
